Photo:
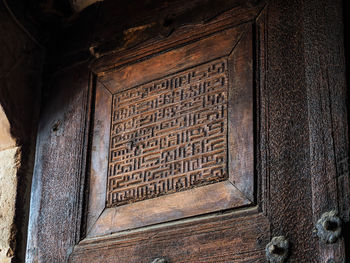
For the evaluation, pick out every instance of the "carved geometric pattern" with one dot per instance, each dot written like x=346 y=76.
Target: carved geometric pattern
x=169 y=135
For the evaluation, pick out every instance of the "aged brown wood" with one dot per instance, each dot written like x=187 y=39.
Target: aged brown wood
x=325 y=78
x=194 y=22
x=184 y=204
x=55 y=215
x=240 y=114
x=291 y=144
x=131 y=177
x=101 y=130
x=290 y=190
x=238 y=44
x=169 y=135
x=237 y=237
x=210 y=48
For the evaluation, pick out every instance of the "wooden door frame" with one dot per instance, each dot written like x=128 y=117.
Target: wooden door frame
x=303 y=137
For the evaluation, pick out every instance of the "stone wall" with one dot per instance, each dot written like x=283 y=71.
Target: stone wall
x=20 y=74
x=9 y=166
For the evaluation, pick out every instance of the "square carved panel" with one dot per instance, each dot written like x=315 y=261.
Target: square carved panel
x=173 y=135
x=169 y=135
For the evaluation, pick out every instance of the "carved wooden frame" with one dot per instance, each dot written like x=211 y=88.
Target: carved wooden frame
x=301 y=142
x=236 y=46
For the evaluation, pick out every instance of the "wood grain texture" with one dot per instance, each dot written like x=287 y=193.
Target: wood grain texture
x=326 y=88
x=45 y=211
x=99 y=155
x=189 y=200
x=164 y=26
x=192 y=54
x=261 y=111
x=109 y=32
x=239 y=237
x=290 y=191
x=193 y=202
x=240 y=115
x=301 y=132
x=170 y=134
x=54 y=225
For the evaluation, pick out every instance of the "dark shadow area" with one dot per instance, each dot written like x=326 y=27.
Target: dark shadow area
x=346 y=11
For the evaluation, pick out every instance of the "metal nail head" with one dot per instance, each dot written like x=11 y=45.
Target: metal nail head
x=329 y=227
x=277 y=250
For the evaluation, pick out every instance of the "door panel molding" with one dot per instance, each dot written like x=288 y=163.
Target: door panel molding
x=226 y=56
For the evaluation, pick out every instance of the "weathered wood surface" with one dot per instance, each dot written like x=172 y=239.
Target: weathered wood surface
x=133 y=46
x=131 y=177
x=108 y=31
x=307 y=99
x=326 y=93
x=286 y=137
x=159 y=20
x=239 y=237
x=191 y=54
x=241 y=115
x=170 y=134
x=288 y=160
x=193 y=202
x=100 y=132
x=55 y=216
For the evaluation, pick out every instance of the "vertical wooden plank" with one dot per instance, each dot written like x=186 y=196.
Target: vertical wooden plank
x=240 y=116
x=55 y=201
x=262 y=110
x=290 y=192
x=326 y=90
x=99 y=155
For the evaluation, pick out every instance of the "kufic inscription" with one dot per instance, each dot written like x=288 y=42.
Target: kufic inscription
x=169 y=135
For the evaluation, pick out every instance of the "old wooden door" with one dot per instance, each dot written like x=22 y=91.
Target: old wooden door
x=196 y=147
x=172 y=154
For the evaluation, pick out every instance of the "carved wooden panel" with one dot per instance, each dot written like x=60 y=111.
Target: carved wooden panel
x=173 y=135
x=169 y=135
x=283 y=60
